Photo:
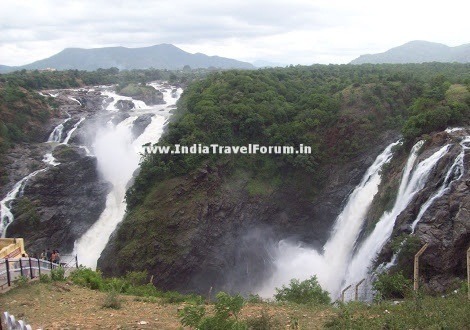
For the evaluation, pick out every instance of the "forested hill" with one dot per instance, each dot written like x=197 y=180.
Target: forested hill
x=418 y=52
x=164 y=56
x=198 y=210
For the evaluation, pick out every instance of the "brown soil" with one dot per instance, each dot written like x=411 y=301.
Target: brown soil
x=66 y=306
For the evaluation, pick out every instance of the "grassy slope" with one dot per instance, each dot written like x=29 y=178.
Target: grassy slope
x=64 y=305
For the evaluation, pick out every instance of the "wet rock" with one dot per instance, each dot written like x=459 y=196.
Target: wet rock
x=445 y=225
x=140 y=124
x=60 y=204
x=125 y=105
x=204 y=230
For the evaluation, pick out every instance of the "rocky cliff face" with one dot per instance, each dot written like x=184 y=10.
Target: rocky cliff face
x=445 y=225
x=205 y=230
x=60 y=204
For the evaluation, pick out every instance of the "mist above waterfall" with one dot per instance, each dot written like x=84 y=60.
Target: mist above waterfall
x=118 y=155
x=341 y=261
x=116 y=162
x=293 y=260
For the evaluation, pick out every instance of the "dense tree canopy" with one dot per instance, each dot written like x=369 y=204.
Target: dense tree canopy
x=338 y=110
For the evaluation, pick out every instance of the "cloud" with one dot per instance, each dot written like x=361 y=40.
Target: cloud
x=294 y=31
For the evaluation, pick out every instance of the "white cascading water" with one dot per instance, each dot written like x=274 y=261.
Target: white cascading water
x=6 y=216
x=74 y=99
x=454 y=173
x=118 y=157
x=74 y=128
x=296 y=261
x=336 y=266
x=56 y=134
x=413 y=180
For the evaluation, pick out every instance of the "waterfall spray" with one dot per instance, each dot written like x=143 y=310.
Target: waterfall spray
x=118 y=157
x=297 y=261
x=413 y=180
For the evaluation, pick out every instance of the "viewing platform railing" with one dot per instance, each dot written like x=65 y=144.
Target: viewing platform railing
x=13 y=268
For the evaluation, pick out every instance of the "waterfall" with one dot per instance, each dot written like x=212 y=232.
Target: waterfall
x=56 y=134
x=454 y=173
x=413 y=180
x=118 y=157
x=297 y=261
x=6 y=216
x=336 y=265
x=69 y=134
x=74 y=99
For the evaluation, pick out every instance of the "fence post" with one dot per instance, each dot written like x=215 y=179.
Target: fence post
x=416 y=270
x=39 y=267
x=468 y=272
x=21 y=267
x=356 y=294
x=76 y=261
x=30 y=269
x=7 y=263
x=344 y=290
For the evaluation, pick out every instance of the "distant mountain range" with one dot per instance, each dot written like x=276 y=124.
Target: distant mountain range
x=163 y=56
x=418 y=52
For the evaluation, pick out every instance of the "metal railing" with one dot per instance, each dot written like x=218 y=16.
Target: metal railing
x=12 y=324
x=360 y=291
x=14 y=268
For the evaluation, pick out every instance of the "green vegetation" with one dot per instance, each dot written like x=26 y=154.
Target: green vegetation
x=449 y=312
x=338 y=111
x=112 y=300
x=58 y=274
x=134 y=283
x=392 y=286
x=305 y=292
x=405 y=246
x=21 y=281
x=23 y=110
x=226 y=316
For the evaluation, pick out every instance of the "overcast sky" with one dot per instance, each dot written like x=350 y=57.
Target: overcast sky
x=282 y=31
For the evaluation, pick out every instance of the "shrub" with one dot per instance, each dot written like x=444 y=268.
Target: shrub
x=225 y=307
x=21 y=281
x=58 y=274
x=136 y=278
x=44 y=278
x=389 y=286
x=254 y=298
x=192 y=315
x=147 y=290
x=263 y=322
x=88 y=278
x=112 y=300
x=305 y=292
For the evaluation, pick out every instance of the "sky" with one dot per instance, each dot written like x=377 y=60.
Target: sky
x=285 y=32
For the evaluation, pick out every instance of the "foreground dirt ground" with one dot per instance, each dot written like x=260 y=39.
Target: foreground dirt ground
x=66 y=306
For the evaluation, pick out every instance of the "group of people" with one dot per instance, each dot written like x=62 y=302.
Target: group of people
x=53 y=256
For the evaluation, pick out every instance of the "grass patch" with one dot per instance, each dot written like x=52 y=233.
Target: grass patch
x=450 y=312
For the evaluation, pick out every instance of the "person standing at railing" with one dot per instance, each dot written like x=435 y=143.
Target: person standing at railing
x=43 y=255
x=57 y=257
